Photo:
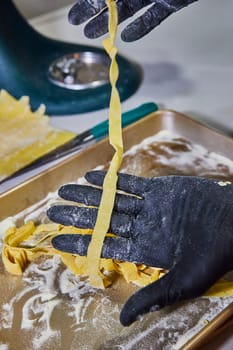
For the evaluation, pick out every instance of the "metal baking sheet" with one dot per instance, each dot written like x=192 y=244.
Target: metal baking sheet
x=80 y=317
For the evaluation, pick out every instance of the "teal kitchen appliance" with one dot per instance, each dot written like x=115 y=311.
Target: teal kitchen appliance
x=68 y=78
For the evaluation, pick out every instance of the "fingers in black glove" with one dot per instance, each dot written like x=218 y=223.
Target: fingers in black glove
x=157 y=13
x=85 y=218
x=142 y=220
x=147 y=22
x=113 y=248
x=84 y=10
x=91 y=196
x=128 y=183
x=97 y=26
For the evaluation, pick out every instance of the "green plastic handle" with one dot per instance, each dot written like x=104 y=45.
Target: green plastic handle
x=129 y=117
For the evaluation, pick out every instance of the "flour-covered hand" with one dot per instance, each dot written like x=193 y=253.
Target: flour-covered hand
x=180 y=223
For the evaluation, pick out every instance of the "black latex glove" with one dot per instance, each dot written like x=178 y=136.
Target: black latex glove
x=96 y=10
x=183 y=224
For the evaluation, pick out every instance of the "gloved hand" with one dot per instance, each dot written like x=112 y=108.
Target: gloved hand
x=181 y=223
x=96 y=10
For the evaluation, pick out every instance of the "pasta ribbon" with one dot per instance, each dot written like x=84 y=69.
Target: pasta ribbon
x=115 y=138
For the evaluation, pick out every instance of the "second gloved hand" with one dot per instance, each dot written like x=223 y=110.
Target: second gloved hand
x=181 y=223
x=96 y=11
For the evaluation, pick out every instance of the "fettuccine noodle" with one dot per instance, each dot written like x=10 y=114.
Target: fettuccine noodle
x=115 y=139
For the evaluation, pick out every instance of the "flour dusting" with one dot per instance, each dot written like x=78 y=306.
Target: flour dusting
x=49 y=308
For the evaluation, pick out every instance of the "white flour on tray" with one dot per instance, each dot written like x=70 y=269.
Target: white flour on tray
x=50 y=308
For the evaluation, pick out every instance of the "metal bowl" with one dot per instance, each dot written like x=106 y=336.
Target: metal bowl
x=80 y=70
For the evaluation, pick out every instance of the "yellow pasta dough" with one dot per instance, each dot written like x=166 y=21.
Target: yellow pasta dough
x=24 y=244
x=25 y=135
x=115 y=139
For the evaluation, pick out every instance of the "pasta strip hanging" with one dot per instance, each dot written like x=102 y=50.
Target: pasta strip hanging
x=115 y=138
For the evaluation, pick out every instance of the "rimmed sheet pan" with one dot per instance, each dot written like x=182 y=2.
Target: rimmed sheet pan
x=36 y=188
